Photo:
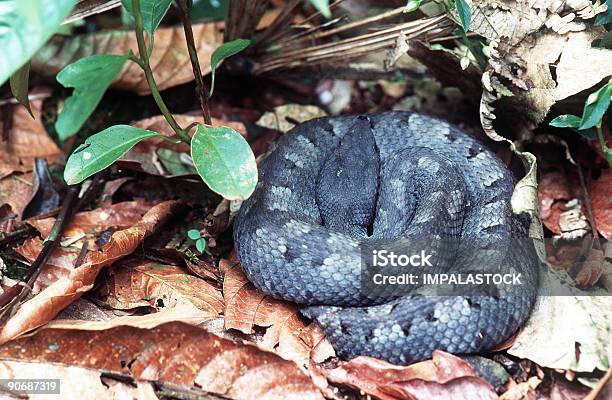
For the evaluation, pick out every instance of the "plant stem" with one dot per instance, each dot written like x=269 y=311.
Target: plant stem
x=603 y=144
x=144 y=64
x=195 y=63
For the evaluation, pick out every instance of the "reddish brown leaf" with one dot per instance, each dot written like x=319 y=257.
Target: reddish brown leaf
x=600 y=192
x=554 y=191
x=176 y=353
x=15 y=190
x=27 y=139
x=169 y=60
x=50 y=301
x=137 y=283
x=445 y=375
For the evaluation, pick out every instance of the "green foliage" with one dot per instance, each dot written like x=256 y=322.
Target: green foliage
x=90 y=77
x=566 y=121
x=322 y=6
x=596 y=106
x=224 y=51
x=25 y=25
x=412 y=5
x=193 y=234
x=209 y=10
x=153 y=11
x=196 y=236
x=605 y=18
x=225 y=161
x=101 y=150
x=19 y=86
x=465 y=14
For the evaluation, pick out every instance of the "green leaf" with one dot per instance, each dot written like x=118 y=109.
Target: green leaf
x=200 y=245
x=465 y=13
x=19 y=86
x=225 y=161
x=25 y=25
x=153 y=11
x=606 y=17
x=101 y=150
x=224 y=51
x=566 y=121
x=590 y=134
x=322 y=6
x=90 y=77
x=596 y=106
x=412 y=5
x=209 y=10
x=193 y=234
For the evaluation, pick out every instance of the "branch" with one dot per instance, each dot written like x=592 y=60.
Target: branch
x=195 y=63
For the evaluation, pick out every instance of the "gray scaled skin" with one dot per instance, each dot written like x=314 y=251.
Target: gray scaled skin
x=332 y=185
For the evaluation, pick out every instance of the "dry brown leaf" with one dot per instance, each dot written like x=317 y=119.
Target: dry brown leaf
x=138 y=283
x=282 y=116
x=83 y=227
x=176 y=353
x=16 y=191
x=75 y=382
x=246 y=307
x=600 y=193
x=554 y=191
x=169 y=61
x=57 y=296
x=444 y=376
x=26 y=140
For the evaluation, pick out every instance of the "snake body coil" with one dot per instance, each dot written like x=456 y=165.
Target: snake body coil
x=332 y=185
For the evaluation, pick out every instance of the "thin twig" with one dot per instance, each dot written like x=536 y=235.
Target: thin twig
x=195 y=63
x=49 y=245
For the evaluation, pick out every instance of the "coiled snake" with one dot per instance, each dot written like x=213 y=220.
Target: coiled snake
x=332 y=185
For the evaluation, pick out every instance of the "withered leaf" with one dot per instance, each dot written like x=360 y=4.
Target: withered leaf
x=176 y=353
x=169 y=61
x=445 y=375
x=137 y=283
x=50 y=301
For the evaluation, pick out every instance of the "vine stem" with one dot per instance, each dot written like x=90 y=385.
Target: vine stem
x=195 y=63
x=602 y=143
x=143 y=62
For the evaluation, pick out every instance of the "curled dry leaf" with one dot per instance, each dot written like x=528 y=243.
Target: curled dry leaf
x=57 y=296
x=600 y=192
x=173 y=353
x=16 y=191
x=554 y=190
x=83 y=227
x=169 y=61
x=246 y=307
x=138 y=283
x=27 y=139
x=444 y=376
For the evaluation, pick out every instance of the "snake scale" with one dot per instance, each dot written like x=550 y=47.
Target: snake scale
x=335 y=183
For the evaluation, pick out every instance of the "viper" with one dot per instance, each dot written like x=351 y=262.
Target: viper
x=334 y=189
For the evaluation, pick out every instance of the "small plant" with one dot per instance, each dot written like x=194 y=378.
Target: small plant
x=221 y=155
x=200 y=241
x=589 y=124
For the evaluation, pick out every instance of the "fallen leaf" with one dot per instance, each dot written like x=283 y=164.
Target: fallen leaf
x=169 y=60
x=284 y=117
x=27 y=139
x=567 y=332
x=554 y=190
x=444 y=376
x=138 y=283
x=600 y=193
x=49 y=302
x=176 y=353
x=16 y=191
